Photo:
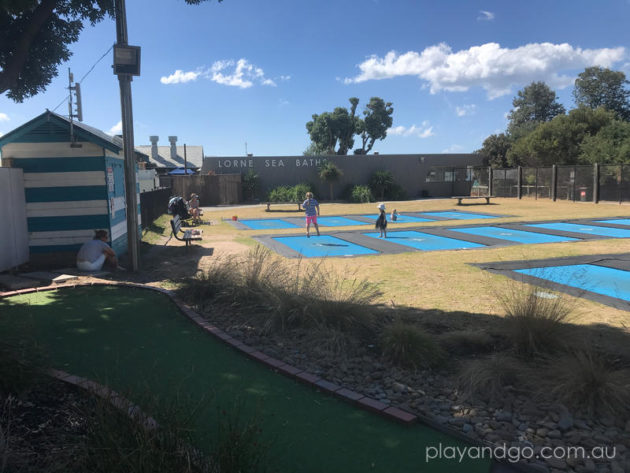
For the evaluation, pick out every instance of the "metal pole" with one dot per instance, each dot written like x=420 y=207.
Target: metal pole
x=128 y=146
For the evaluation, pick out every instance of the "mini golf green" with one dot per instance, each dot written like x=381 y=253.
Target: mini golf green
x=131 y=339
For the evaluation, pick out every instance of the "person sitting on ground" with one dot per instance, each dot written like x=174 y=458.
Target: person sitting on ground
x=193 y=205
x=381 y=221
x=94 y=253
x=394 y=215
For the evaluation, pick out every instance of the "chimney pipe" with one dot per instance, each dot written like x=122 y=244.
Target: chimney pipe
x=173 y=140
x=154 y=146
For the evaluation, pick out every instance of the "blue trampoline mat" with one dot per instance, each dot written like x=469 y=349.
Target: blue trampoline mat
x=338 y=222
x=617 y=221
x=401 y=219
x=587 y=229
x=457 y=215
x=599 y=279
x=513 y=235
x=268 y=224
x=322 y=246
x=426 y=241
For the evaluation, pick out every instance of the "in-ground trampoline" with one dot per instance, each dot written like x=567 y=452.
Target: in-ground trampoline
x=510 y=234
x=601 y=278
x=338 y=222
x=426 y=241
x=323 y=246
x=616 y=221
x=456 y=215
x=586 y=229
x=402 y=219
x=268 y=224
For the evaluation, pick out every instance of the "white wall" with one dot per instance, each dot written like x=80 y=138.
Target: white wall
x=13 y=229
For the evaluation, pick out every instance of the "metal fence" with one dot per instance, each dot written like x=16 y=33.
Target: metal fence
x=586 y=183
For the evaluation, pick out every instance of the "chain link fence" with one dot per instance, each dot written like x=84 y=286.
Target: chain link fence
x=585 y=183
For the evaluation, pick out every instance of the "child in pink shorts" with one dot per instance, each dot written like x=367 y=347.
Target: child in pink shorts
x=311 y=206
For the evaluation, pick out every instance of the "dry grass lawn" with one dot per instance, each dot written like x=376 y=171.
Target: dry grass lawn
x=443 y=279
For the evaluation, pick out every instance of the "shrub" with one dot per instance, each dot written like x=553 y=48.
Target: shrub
x=281 y=194
x=300 y=190
x=584 y=381
x=463 y=342
x=117 y=443
x=380 y=182
x=396 y=192
x=286 y=293
x=534 y=319
x=408 y=346
x=361 y=194
x=22 y=363
x=487 y=378
x=295 y=193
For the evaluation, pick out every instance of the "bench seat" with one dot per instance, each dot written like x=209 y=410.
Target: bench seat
x=186 y=235
x=471 y=197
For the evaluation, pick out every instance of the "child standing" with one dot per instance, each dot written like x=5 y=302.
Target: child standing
x=381 y=221
x=311 y=206
x=394 y=215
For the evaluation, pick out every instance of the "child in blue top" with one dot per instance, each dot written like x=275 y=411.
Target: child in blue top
x=311 y=207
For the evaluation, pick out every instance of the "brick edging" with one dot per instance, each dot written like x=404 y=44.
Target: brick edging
x=359 y=400
x=120 y=402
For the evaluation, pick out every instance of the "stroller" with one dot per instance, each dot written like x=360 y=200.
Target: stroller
x=178 y=206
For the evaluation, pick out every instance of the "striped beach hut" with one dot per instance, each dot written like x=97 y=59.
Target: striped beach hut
x=73 y=184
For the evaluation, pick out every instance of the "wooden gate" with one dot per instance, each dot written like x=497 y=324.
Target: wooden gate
x=219 y=189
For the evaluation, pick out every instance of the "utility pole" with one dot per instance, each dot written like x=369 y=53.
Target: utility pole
x=126 y=64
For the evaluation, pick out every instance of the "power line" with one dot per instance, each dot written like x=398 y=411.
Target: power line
x=85 y=75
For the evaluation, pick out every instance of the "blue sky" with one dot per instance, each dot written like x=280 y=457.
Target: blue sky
x=225 y=74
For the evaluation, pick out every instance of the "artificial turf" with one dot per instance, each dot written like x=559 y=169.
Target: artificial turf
x=134 y=340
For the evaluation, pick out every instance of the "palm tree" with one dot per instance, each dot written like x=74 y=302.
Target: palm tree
x=380 y=182
x=330 y=173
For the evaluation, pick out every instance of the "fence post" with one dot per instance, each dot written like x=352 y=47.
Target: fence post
x=519 y=189
x=554 y=181
x=596 y=183
x=490 y=189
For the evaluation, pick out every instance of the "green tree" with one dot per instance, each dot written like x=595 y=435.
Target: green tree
x=251 y=183
x=601 y=87
x=558 y=141
x=333 y=133
x=495 y=149
x=330 y=173
x=381 y=182
x=377 y=119
x=533 y=105
x=610 y=145
x=34 y=39
x=331 y=129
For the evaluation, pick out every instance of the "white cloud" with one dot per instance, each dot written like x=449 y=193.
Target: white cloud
x=228 y=72
x=238 y=74
x=116 y=129
x=180 y=77
x=453 y=149
x=4 y=117
x=423 y=131
x=489 y=66
x=465 y=110
x=485 y=15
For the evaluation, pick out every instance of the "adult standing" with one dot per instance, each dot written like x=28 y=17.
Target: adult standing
x=94 y=253
x=311 y=207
